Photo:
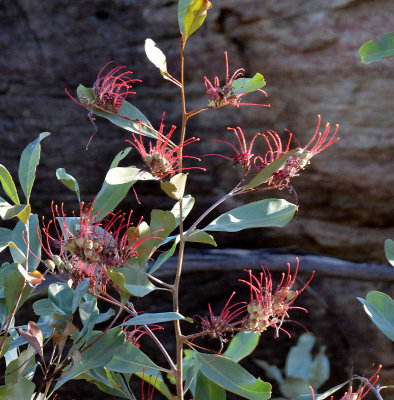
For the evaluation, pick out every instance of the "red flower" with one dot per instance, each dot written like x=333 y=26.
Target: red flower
x=268 y=307
x=134 y=335
x=242 y=156
x=88 y=247
x=162 y=159
x=110 y=90
x=298 y=161
x=230 y=317
x=219 y=96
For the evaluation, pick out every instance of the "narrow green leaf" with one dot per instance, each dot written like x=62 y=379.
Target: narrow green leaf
x=122 y=175
x=199 y=236
x=208 y=390
x=259 y=214
x=242 y=345
x=270 y=169
x=195 y=16
x=128 y=116
x=163 y=257
x=80 y=291
x=155 y=55
x=175 y=187
x=389 y=250
x=129 y=359
x=182 y=8
x=28 y=164
x=8 y=184
x=110 y=196
x=19 y=236
x=153 y=318
x=324 y=395
x=69 y=181
x=4 y=207
x=156 y=381
x=99 y=354
x=22 y=211
x=14 y=282
x=232 y=377
x=248 y=85
x=380 y=308
x=372 y=51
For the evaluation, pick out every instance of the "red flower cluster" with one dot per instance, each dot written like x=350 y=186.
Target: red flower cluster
x=163 y=159
x=89 y=246
x=219 y=96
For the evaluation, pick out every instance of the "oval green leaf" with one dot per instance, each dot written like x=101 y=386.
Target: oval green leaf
x=389 y=250
x=208 y=390
x=259 y=214
x=122 y=175
x=198 y=236
x=248 y=85
x=155 y=55
x=372 y=51
x=195 y=16
x=28 y=164
x=380 y=308
x=8 y=184
x=22 y=211
x=175 y=187
x=232 y=377
x=242 y=345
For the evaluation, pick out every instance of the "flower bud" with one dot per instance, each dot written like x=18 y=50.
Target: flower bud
x=57 y=260
x=50 y=265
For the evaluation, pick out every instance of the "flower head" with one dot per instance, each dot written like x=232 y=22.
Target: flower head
x=300 y=158
x=230 y=317
x=219 y=96
x=134 y=333
x=87 y=246
x=163 y=159
x=269 y=307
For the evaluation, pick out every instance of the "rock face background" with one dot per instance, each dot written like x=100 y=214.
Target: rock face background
x=307 y=52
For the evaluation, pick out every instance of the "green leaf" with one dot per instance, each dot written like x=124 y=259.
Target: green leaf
x=22 y=211
x=259 y=214
x=271 y=371
x=157 y=382
x=198 y=236
x=4 y=206
x=22 y=367
x=61 y=295
x=324 y=395
x=153 y=318
x=99 y=354
x=28 y=164
x=389 y=250
x=242 y=345
x=232 y=377
x=175 y=187
x=299 y=358
x=6 y=236
x=134 y=282
x=14 y=282
x=270 y=169
x=380 y=308
x=129 y=359
x=163 y=257
x=247 y=85
x=208 y=390
x=122 y=175
x=22 y=389
x=19 y=239
x=69 y=181
x=372 y=51
x=293 y=387
x=110 y=196
x=320 y=370
x=155 y=56
x=127 y=117
x=194 y=16
x=8 y=184
x=80 y=291
x=187 y=205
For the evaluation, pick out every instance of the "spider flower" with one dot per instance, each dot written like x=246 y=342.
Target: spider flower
x=163 y=159
x=219 y=96
x=269 y=307
x=244 y=155
x=109 y=90
x=229 y=318
x=88 y=247
x=364 y=388
x=134 y=335
x=296 y=162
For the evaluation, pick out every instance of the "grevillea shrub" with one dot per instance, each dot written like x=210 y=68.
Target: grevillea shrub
x=100 y=259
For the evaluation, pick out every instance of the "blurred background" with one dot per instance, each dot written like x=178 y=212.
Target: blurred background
x=307 y=52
